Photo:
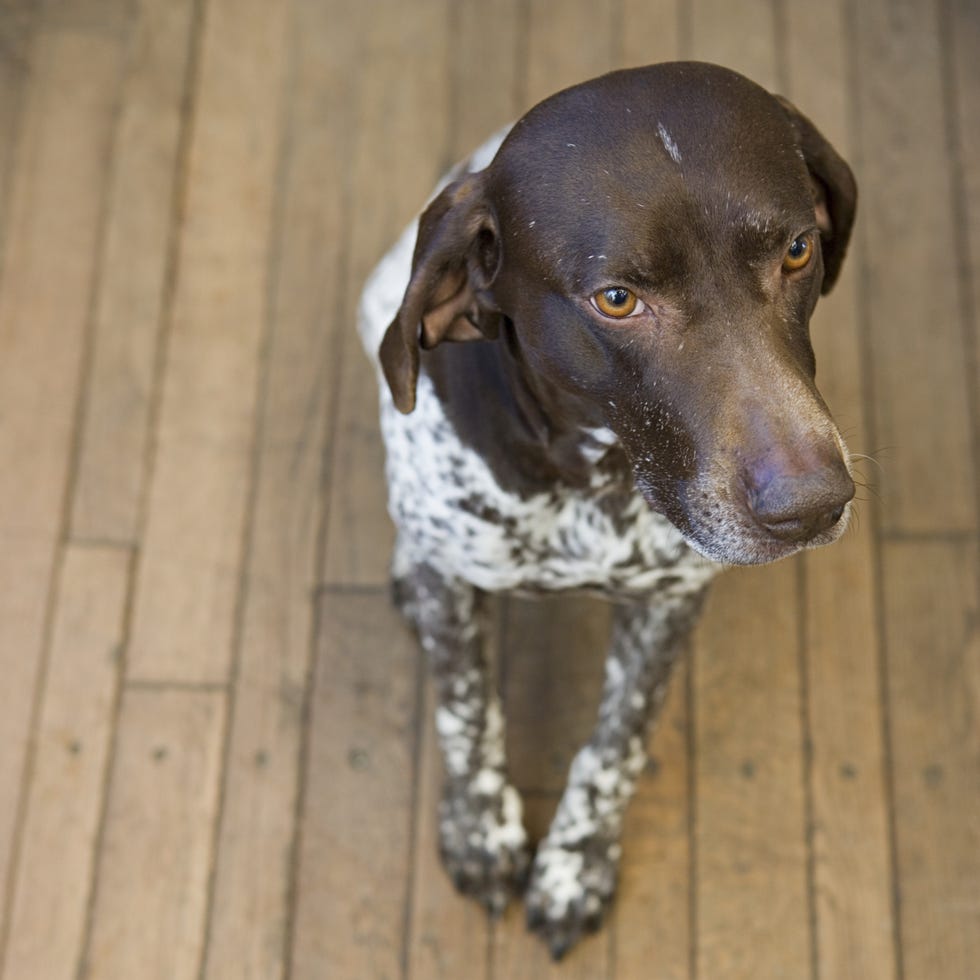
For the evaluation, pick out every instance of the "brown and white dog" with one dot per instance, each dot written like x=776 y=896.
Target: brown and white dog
x=634 y=266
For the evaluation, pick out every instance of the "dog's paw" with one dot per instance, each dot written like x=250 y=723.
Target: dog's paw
x=570 y=891
x=483 y=845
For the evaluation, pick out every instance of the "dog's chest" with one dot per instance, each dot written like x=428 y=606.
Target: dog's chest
x=452 y=513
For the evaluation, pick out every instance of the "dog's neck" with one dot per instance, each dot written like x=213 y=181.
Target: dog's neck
x=552 y=438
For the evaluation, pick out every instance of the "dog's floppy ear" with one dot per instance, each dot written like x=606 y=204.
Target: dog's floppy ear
x=455 y=261
x=835 y=188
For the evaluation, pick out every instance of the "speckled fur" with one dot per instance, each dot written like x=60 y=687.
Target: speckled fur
x=481 y=837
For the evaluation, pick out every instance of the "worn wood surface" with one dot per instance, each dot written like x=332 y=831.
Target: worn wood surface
x=52 y=235
x=70 y=763
x=216 y=752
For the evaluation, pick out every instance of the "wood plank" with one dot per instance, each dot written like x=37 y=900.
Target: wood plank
x=254 y=864
x=960 y=42
x=922 y=416
x=720 y=34
x=411 y=115
x=151 y=884
x=485 y=56
x=16 y=39
x=354 y=860
x=933 y=646
x=651 y=918
x=855 y=932
x=64 y=802
x=189 y=567
x=649 y=32
x=52 y=241
x=140 y=213
x=586 y=45
x=108 y=17
x=751 y=882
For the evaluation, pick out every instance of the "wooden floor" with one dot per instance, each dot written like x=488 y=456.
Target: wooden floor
x=216 y=758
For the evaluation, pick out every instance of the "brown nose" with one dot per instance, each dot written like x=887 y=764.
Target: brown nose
x=796 y=507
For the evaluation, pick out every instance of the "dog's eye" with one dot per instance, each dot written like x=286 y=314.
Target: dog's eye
x=798 y=254
x=615 y=301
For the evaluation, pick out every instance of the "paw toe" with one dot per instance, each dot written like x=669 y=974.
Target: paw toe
x=568 y=898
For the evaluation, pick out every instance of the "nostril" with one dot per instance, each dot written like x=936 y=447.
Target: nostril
x=799 y=508
x=791 y=530
x=806 y=526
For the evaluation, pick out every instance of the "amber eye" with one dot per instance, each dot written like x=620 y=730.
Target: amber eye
x=798 y=254
x=616 y=301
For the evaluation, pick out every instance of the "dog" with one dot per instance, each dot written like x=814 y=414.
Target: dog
x=629 y=405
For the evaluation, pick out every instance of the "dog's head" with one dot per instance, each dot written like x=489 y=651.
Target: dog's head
x=652 y=244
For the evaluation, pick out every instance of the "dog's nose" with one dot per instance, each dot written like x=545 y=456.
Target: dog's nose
x=796 y=507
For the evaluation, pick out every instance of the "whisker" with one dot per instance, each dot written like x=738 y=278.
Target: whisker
x=871 y=488
x=870 y=459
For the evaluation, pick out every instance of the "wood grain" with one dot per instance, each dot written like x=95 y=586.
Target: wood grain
x=752 y=903
x=413 y=115
x=922 y=420
x=355 y=855
x=49 y=262
x=151 y=885
x=47 y=919
x=933 y=644
x=16 y=39
x=960 y=39
x=131 y=291
x=649 y=32
x=486 y=71
x=254 y=864
x=750 y=51
x=192 y=545
x=587 y=45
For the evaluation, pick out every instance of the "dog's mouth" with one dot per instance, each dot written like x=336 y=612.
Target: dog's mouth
x=747 y=546
x=721 y=529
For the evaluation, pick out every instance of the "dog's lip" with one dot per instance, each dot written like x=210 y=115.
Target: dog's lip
x=753 y=546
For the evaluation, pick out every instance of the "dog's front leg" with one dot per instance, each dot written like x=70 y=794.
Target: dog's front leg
x=575 y=870
x=482 y=839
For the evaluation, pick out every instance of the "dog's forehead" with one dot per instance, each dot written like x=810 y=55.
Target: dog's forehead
x=629 y=138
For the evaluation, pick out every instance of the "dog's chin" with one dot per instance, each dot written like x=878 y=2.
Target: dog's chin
x=754 y=548
x=739 y=549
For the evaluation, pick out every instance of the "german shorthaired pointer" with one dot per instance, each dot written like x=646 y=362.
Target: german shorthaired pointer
x=637 y=260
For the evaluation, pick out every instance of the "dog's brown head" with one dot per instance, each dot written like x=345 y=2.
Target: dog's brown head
x=651 y=245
